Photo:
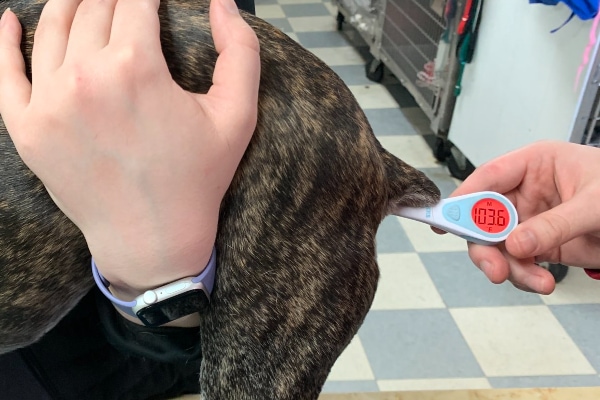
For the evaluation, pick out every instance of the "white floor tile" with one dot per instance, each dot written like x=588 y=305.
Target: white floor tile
x=576 y=288
x=520 y=341
x=404 y=284
x=269 y=11
x=313 y=24
x=373 y=96
x=352 y=364
x=411 y=149
x=424 y=240
x=433 y=384
x=334 y=56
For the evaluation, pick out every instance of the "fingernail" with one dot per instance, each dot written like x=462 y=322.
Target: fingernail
x=230 y=6
x=3 y=19
x=486 y=268
x=484 y=265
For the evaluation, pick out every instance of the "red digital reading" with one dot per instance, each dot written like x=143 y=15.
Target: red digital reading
x=490 y=215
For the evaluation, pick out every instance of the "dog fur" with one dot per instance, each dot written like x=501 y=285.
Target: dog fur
x=297 y=267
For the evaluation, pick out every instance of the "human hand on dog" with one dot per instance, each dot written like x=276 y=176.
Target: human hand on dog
x=555 y=189
x=136 y=162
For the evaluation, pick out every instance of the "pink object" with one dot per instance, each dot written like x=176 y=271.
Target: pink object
x=589 y=47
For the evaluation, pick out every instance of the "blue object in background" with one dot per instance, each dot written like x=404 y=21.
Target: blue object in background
x=584 y=9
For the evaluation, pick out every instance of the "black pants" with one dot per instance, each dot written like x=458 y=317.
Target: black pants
x=94 y=354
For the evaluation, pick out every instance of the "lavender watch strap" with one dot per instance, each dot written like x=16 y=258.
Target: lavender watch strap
x=207 y=277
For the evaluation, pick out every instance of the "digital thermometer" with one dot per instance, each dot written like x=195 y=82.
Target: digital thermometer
x=483 y=217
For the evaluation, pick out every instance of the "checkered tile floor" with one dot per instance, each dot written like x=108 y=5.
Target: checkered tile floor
x=436 y=322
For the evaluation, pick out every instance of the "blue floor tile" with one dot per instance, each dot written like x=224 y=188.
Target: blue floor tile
x=416 y=344
x=391 y=237
x=281 y=24
x=461 y=284
x=545 y=381
x=321 y=39
x=582 y=323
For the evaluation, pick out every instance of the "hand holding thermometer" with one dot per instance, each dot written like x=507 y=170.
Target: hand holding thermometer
x=483 y=217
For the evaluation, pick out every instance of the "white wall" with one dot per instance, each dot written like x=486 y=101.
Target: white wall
x=520 y=86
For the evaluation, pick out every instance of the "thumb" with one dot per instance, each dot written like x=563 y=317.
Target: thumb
x=549 y=230
x=15 y=88
x=234 y=94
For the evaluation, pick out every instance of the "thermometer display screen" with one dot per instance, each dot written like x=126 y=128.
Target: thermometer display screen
x=490 y=215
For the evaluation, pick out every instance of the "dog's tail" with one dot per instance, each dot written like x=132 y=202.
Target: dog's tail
x=407 y=186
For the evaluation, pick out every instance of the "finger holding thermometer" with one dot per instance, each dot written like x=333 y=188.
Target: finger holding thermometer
x=484 y=217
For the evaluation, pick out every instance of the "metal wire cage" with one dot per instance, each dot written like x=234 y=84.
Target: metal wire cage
x=417 y=41
x=412 y=38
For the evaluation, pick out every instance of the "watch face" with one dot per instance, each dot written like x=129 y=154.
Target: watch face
x=173 y=308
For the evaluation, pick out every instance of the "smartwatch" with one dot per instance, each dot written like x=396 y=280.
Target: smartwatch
x=169 y=302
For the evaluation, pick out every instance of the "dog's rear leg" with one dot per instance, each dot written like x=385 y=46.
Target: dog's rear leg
x=281 y=342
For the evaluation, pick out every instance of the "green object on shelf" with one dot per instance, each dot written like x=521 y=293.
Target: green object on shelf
x=466 y=44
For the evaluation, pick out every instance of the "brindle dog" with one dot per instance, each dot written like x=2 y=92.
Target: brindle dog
x=297 y=267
